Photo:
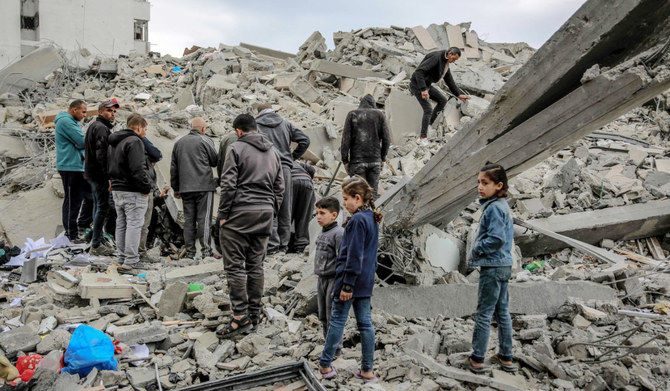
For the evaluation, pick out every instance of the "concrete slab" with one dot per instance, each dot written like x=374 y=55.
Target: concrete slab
x=459 y=300
x=440 y=249
x=621 y=223
x=12 y=148
x=343 y=70
x=403 y=114
x=106 y=286
x=424 y=38
x=146 y=333
x=193 y=273
x=32 y=68
x=172 y=299
x=22 y=339
x=185 y=98
x=304 y=91
x=39 y=221
x=474 y=106
x=472 y=40
x=319 y=139
x=283 y=81
x=340 y=111
x=267 y=52
x=455 y=36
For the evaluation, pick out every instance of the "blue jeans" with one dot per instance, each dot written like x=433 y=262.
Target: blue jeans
x=338 y=318
x=493 y=298
x=100 y=208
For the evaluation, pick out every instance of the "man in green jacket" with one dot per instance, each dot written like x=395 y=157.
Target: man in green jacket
x=70 y=164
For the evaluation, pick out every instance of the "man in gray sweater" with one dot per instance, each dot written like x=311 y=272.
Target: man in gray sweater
x=281 y=133
x=252 y=187
x=192 y=180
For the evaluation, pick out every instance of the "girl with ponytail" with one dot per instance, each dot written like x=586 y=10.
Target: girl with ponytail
x=355 y=277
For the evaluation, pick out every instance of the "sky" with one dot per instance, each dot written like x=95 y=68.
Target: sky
x=285 y=25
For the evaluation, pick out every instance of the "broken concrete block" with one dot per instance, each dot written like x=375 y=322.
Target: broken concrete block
x=165 y=130
x=134 y=335
x=12 y=148
x=21 y=339
x=106 y=286
x=403 y=114
x=424 y=38
x=474 y=106
x=267 y=52
x=194 y=273
x=65 y=279
x=455 y=36
x=343 y=70
x=185 y=98
x=440 y=249
x=217 y=86
x=141 y=377
x=662 y=165
x=637 y=155
x=283 y=81
x=29 y=69
x=156 y=69
x=38 y=221
x=533 y=207
x=172 y=299
x=305 y=91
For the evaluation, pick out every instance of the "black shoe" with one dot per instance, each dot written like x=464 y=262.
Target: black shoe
x=78 y=241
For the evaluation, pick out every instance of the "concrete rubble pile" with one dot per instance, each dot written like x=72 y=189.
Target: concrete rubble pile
x=565 y=303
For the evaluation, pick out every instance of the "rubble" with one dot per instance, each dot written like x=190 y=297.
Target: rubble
x=608 y=190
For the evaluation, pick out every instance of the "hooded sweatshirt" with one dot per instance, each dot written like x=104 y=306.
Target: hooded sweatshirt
x=70 y=143
x=365 y=138
x=430 y=71
x=252 y=176
x=281 y=133
x=127 y=163
x=193 y=157
x=97 y=137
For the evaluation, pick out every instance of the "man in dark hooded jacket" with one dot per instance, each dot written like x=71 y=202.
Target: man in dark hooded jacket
x=365 y=142
x=303 y=203
x=252 y=187
x=281 y=133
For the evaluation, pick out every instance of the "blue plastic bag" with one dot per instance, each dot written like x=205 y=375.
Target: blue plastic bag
x=89 y=348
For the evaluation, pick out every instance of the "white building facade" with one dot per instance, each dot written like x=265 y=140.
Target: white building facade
x=85 y=28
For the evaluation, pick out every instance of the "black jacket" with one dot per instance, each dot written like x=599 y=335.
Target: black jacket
x=429 y=71
x=364 y=130
x=302 y=171
x=127 y=163
x=281 y=133
x=95 y=147
x=193 y=157
x=252 y=176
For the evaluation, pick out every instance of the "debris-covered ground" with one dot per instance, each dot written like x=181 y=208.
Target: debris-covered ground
x=581 y=321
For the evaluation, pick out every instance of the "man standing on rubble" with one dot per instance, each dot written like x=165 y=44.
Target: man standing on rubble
x=70 y=145
x=95 y=170
x=128 y=169
x=433 y=67
x=192 y=180
x=365 y=142
x=281 y=133
x=252 y=187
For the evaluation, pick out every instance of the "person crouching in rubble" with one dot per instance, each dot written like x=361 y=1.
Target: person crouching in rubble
x=355 y=277
x=491 y=251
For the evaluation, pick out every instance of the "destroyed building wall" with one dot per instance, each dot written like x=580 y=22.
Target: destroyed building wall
x=84 y=28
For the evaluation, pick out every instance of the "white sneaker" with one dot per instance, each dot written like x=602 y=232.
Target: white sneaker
x=424 y=141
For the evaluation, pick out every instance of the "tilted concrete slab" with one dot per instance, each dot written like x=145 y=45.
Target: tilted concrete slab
x=267 y=52
x=403 y=114
x=424 y=38
x=621 y=223
x=343 y=70
x=27 y=71
x=40 y=220
x=455 y=36
x=459 y=300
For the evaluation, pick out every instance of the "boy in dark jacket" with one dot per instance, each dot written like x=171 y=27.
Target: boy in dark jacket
x=365 y=142
x=128 y=169
x=327 y=245
x=95 y=170
x=433 y=67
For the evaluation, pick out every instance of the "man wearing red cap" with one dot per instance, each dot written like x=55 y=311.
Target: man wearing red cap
x=95 y=170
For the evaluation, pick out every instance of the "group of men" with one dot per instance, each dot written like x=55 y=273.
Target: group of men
x=263 y=189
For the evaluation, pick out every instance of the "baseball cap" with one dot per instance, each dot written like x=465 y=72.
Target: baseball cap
x=109 y=103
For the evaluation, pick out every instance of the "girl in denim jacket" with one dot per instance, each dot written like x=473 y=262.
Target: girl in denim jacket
x=492 y=252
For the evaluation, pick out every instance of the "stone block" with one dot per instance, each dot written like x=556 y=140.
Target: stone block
x=185 y=98
x=172 y=300
x=21 y=339
x=194 y=273
x=403 y=114
x=142 y=377
x=106 y=286
x=455 y=36
x=474 y=106
x=343 y=70
x=424 y=38
x=305 y=91
x=65 y=279
x=134 y=335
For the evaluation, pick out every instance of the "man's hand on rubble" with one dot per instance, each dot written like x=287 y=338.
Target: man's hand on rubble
x=222 y=222
x=426 y=96
x=464 y=97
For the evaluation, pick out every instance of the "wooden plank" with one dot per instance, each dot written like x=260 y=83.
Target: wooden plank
x=655 y=248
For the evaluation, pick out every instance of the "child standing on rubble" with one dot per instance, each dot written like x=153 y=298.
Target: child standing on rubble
x=492 y=252
x=354 y=277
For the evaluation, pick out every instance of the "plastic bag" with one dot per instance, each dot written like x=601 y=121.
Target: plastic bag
x=89 y=348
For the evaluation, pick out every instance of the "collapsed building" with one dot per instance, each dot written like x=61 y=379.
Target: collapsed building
x=582 y=124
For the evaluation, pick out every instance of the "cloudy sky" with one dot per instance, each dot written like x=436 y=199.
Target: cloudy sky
x=285 y=25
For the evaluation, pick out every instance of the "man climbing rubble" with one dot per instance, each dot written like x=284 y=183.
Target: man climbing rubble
x=70 y=143
x=365 y=142
x=281 y=133
x=95 y=170
x=128 y=168
x=192 y=180
x=252 y=188
x=433 y=68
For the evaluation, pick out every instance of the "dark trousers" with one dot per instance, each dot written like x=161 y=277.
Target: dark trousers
x=369 y=172
x=85 y=219
x=74 y=186
x=324 y=291
x=100 y=192
x=110 y=221
x=197 y=220
x=281 y=225
x=430 y=114
x=244 y=239
x=303 y=210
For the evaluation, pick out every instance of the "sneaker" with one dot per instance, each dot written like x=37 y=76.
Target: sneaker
x=424 y=141
x=101 y=250
x=78 y=241
x=133 y=266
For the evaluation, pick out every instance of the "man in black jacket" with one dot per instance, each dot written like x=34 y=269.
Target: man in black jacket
x=95 y=170
x=281 y=133
x=365 y=142
x=128 y=169
x=192 y=180
x=252 y=187
x=433 y=67
x=303 y=203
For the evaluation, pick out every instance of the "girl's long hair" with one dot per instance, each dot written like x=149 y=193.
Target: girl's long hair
x=357 y=185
